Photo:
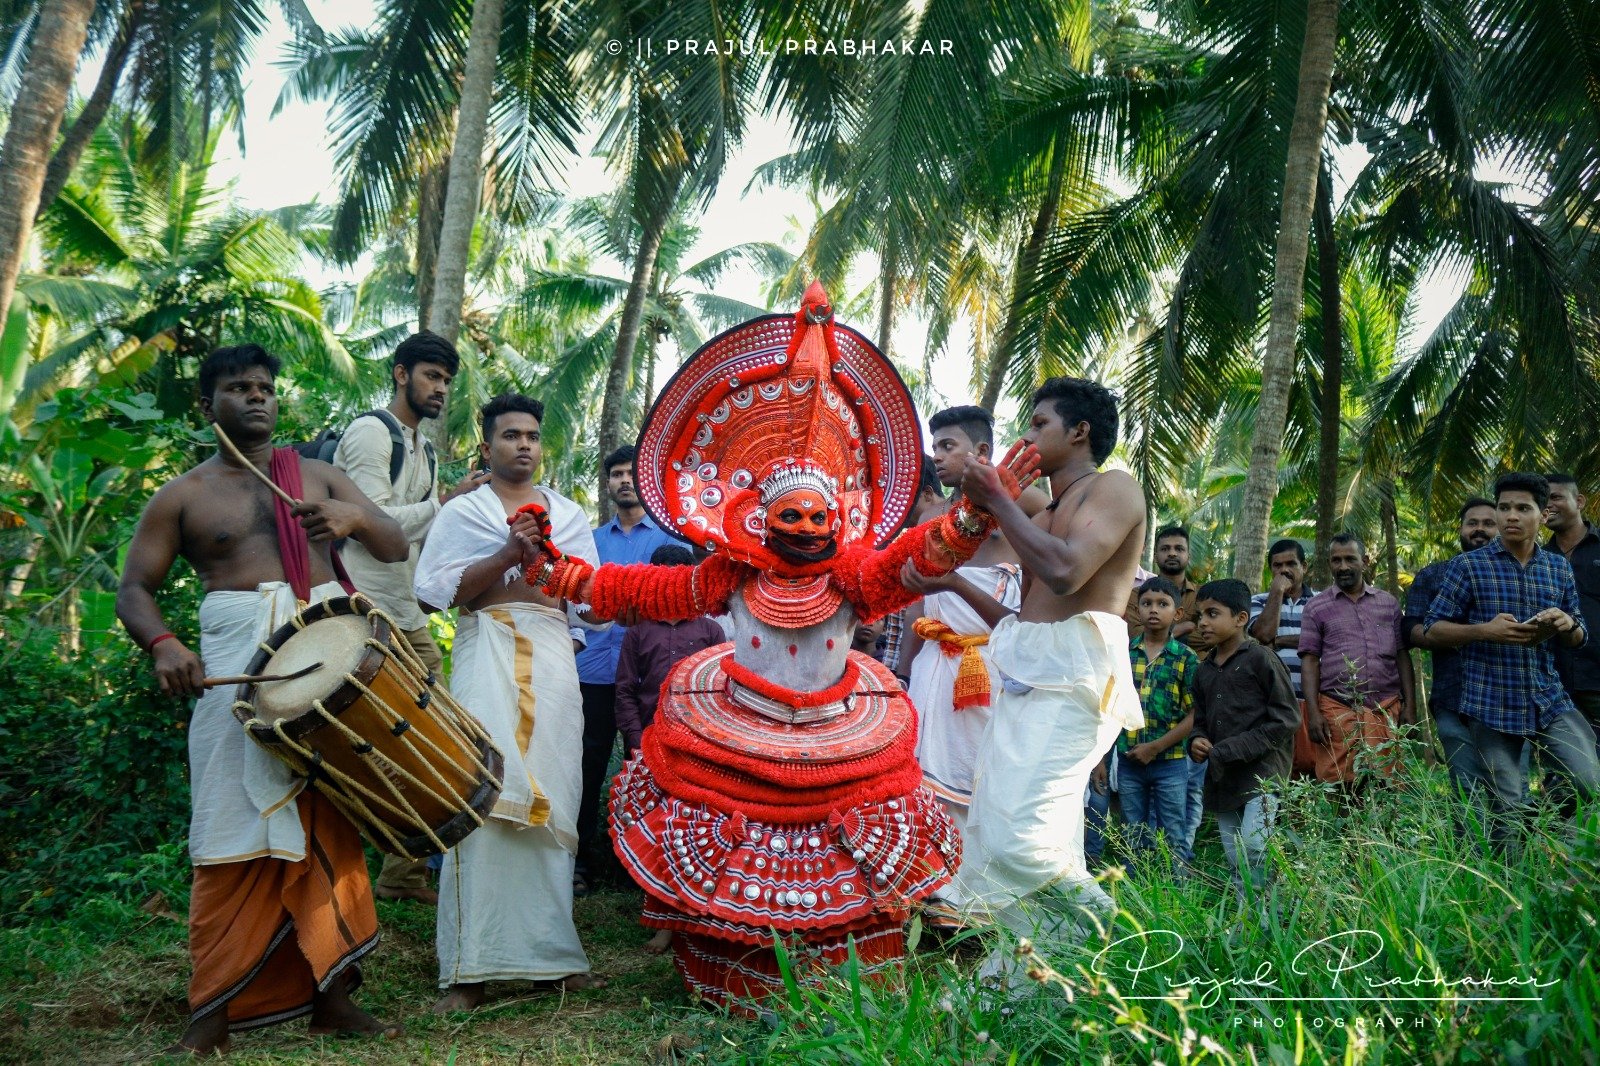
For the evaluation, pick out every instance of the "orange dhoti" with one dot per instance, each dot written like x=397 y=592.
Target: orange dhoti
x=1351 y=730
x=266 y=935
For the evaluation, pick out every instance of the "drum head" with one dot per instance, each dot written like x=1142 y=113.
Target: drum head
x=338 y=642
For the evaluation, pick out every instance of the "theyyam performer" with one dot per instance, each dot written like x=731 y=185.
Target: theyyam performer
x=777 y=789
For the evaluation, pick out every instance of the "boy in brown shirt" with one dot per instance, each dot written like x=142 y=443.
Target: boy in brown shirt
x=1245 y=719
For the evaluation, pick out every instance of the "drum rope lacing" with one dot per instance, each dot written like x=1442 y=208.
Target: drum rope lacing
x=309 y=762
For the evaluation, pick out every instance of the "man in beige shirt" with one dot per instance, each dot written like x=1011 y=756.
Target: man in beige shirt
x=387 y=457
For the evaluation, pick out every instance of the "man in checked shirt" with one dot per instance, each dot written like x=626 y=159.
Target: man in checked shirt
x=1502 y=605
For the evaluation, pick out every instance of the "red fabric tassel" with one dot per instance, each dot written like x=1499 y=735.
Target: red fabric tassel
x=293 y=546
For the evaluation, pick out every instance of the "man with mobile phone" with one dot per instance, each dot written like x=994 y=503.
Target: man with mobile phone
x=1506 y=606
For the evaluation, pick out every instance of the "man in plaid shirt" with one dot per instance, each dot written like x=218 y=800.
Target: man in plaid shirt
x=1501 y=604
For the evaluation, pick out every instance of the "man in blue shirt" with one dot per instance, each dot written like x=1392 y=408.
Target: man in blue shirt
x=630 y=537
x=1501 y=605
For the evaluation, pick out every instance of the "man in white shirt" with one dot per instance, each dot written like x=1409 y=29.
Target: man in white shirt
x=386 y=455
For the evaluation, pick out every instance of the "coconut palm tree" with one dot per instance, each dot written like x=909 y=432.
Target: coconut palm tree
x=58 y=35
x=176 y=64
x=1288 y=282
x=150 y=259
x=465 y=173
x=682 y=309
x=396 y=90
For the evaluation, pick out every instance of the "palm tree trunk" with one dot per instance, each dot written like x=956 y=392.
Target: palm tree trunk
x=94 y=109
x=888 y=277
x=644 y=267
x=465 y=177
x=1027 y=269
x=430 y=216
x=17 y=580
x=466 y=171
x=1332 y=379
x=36 y=114
x=1391 y=551
x=1288 y=286
x=72 y=622
x=651 y=352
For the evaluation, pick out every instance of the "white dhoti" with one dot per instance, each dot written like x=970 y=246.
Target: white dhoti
x=505 y=893
x=241 y=796
x=948 y=739
x=1068 y=690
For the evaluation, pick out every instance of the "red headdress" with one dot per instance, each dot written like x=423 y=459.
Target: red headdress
x=781 y=403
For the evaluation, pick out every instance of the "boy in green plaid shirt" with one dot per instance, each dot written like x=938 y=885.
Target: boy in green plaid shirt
x=1152 y=772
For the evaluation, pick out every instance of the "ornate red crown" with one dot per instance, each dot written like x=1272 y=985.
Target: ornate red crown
x=781 y=402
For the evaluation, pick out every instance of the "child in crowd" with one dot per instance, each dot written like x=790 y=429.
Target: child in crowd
x=1245 y=719
x=1152 y=773
x=868 y=639
x=649 y=652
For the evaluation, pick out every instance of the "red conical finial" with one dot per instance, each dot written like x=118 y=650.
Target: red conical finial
x=814 y=305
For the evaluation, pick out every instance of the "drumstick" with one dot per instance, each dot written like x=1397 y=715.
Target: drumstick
x=256 y=679
x=248 y=465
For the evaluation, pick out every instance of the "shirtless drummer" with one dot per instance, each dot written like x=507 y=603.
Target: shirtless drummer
x=281 y=908
x=1067 y=684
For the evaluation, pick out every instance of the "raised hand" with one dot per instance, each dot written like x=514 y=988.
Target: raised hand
x=1019 y=468
x=533 y=521
x=986 y=484
x=471 y=481
x=981 y=484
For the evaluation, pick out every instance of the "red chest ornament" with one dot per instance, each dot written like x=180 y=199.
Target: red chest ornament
x=792 y=602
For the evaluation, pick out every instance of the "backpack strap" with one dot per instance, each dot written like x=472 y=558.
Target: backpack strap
x=397 y=440
x=433 y=466
x=397 y=449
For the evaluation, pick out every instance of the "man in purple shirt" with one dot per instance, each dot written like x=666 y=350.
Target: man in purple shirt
x=1354 y=667
x=650 y=651
x=630 y=537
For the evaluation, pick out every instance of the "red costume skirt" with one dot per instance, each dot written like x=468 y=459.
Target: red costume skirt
x=738 y=826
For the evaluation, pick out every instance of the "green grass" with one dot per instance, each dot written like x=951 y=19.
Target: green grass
x=1392 y=891
x=108 y=981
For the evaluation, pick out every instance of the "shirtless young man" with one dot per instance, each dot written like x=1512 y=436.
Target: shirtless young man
x=252 y=877
x=505 y=892
x=953 y=703
x=1068 y=685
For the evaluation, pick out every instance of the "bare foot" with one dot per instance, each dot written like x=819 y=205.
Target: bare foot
x=659 y=943
x=334 y=1013
x=460 y=997
x=421 y=895
x=203 y=1038
x=580 y=982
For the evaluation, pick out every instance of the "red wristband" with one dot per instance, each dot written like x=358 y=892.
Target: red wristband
x=150 y=648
